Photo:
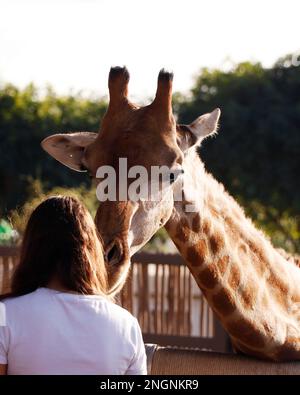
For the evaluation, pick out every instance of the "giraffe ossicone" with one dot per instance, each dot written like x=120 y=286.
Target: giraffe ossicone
x=251 y=286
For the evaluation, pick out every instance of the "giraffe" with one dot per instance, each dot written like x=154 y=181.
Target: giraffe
x=253 y=289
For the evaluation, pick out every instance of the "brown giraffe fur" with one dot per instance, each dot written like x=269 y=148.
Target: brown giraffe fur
x=253 y=288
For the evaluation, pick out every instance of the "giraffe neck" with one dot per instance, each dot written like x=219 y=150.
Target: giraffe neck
x=252 y=288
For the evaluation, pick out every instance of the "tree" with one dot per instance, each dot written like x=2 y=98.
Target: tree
x=25 y=119
x=256 y=154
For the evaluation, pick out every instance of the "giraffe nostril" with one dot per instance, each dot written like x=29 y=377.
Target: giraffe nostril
x=114 y=253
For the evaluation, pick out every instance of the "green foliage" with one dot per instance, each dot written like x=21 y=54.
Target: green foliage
x=25 y=119
x=37 y=193
x=8 y=235
x=257 y=152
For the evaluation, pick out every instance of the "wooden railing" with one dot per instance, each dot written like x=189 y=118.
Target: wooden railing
x=8 y=262
x=164 y=297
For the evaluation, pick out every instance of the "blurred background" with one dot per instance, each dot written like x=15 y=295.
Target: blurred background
x=241 y=56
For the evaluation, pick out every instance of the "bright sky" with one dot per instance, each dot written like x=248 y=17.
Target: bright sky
x=71 y=44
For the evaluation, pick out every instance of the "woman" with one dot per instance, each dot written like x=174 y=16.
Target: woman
x=58 y=318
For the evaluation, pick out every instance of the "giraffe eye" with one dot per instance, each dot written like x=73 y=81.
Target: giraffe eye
x=174 y=174
x=83 y=168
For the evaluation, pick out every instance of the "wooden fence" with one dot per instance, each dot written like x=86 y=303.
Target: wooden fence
x=8 y=261
x=164 y=297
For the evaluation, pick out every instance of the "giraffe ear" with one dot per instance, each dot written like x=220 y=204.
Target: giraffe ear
x=203 y=126
x=69 y=148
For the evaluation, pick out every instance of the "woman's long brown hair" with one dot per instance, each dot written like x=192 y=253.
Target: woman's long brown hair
x=61 y=243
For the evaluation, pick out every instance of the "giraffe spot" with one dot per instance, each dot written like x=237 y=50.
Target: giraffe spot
x=222 y=264
x=279 y=289
x=295 y=298
x=268 y=329
x=193 y=257
x=247 y=332
x=259 y=260
x=257 y=249
x=250 y=252
x=196 y=223
x=234 y=277
x=208 y=278
x=213 y=210
x=216 y=242
x=293 y=340
x=278 y=283
x=250 y=249
x=232 y=225
x=260 y=266
x=196 y=254
x=206 y=225
x=244 y=254
x=248 y=295
x=182 y=231
x=223 y=302
x=296 y=260
x=289 y=351
x=242 y=250
x=232 y=231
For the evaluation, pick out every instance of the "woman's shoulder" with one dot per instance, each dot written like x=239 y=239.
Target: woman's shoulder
x=115 y=309
x=96 y=305
x=16 y=306
x=12 y=301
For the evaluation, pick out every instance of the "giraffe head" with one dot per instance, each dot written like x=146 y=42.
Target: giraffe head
x=142 y=136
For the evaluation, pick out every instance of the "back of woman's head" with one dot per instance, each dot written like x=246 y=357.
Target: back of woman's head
x=61 y=242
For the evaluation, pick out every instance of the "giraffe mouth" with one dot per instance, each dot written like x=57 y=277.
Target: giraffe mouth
x=118 y=263
x=120 y=281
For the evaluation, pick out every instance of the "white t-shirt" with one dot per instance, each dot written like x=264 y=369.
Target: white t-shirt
x=51 y=332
